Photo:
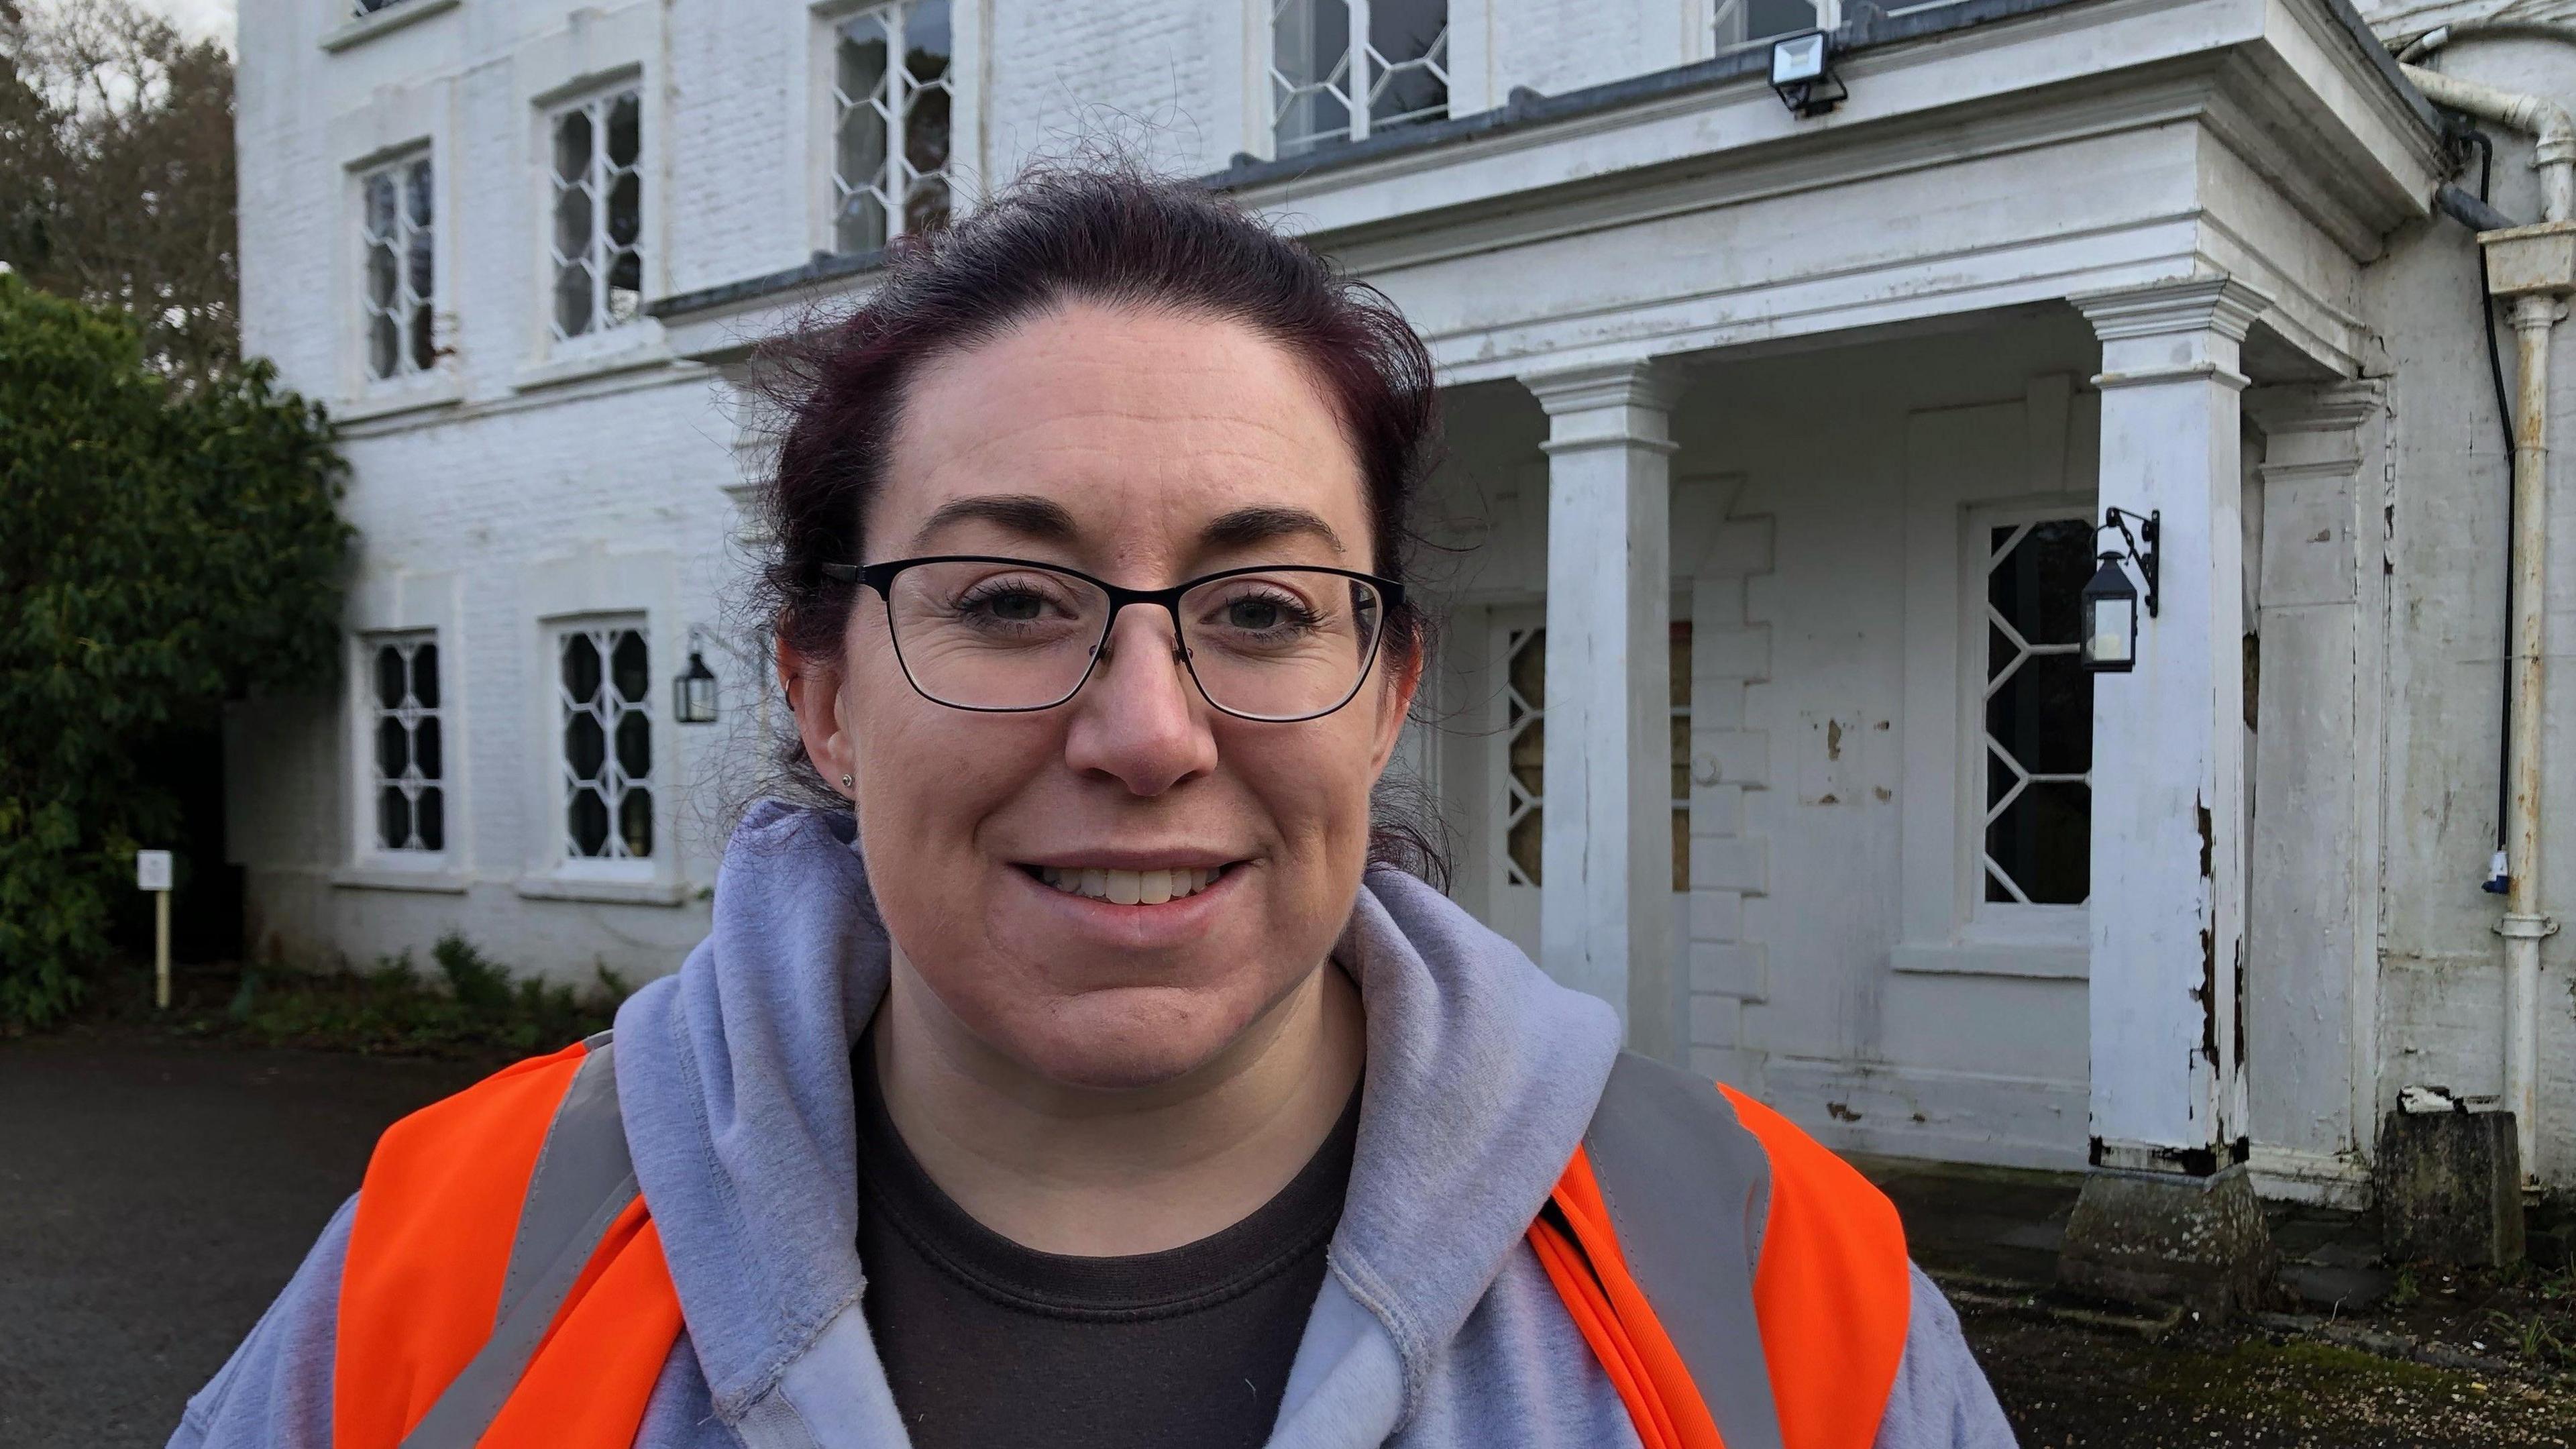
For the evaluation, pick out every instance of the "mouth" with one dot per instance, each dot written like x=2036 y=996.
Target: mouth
x=1130 y=887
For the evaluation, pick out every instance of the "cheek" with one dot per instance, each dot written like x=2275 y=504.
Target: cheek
x=1316 y=790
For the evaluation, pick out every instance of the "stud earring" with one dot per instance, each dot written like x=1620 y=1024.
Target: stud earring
x=847 y=783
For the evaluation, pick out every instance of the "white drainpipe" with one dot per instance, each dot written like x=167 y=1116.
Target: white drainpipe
x=2535 y=266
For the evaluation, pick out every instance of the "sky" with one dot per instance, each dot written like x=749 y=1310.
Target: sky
x=199 y=17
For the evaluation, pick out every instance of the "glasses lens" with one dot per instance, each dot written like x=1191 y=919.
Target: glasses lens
x=1283 y=643
x=995 y=635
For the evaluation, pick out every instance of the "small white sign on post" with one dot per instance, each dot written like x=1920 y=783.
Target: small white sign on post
x=152 y=873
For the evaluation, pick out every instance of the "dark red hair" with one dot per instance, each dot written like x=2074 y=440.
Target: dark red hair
x=1059 y=235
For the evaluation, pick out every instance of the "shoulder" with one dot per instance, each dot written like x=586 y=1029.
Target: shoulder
x=429 y=1250
x=1940 y=1399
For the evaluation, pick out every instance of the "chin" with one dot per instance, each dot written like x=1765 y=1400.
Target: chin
x=1123 y=1038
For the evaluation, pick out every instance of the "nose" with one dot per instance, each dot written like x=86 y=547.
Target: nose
x=1138 y=720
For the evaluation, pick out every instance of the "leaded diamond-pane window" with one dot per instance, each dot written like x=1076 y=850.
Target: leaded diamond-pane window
x=406 y=746
x=598 y=217
x=890 y=124
x=398 y=226
x=1343 y=69
x=2038 y=715
x=1525 y=752
x=604 y=684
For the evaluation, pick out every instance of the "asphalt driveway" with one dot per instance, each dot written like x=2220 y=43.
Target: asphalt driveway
x=153 y=1198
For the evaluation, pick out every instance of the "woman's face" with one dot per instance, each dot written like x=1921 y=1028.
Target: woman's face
x=1145 y=448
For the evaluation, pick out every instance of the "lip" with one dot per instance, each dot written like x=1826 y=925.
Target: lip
x=1128 y=858
x=1172 y=923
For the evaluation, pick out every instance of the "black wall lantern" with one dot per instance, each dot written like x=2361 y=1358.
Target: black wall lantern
x=1802 y=73
x=693 y=690
x=2111 y=602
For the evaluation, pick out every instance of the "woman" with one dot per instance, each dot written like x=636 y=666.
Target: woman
x=1077 y=1080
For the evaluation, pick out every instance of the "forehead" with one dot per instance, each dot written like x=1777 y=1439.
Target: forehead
x=1143 y=427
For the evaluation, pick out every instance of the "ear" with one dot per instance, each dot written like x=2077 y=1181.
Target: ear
x=813 y=689
x=1395 y=702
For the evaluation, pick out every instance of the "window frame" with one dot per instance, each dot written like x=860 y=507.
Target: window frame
x=1359 y=54
x=1725 y=16
x=407 y=373
x=598 y=95
x=829 y=188
x=366 y=714
x=1983 y=919
x=564 y=861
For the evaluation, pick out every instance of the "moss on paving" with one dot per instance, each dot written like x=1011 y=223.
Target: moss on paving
x=2064 y=1385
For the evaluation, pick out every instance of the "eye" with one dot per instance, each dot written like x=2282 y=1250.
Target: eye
x=1007 y=603
x=1257 y=612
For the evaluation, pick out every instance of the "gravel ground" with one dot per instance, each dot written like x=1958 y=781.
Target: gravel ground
x=155 y=1195
x=153 y=1199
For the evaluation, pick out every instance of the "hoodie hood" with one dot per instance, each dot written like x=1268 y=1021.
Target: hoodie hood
x=734 y=1081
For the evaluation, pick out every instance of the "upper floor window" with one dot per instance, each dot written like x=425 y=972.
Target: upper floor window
x=607 y=741
x=1744 y=22
x=598 y=214
x=2038 y=715
x=406 y=743
x=891 y=104
x=1341 y=70
x=399 y=230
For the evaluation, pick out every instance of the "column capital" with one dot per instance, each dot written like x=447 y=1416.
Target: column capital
x=1644 y=383
x=1611 y=404
x=2335 y=407
x=2223 y=305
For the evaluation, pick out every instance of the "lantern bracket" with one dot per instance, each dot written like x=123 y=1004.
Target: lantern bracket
x=2141 y=544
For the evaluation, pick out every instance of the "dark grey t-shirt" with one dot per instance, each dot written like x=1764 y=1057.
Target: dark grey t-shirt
x=990 y=1344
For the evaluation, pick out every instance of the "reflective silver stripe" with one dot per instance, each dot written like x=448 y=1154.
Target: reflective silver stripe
x=583 y=1180
x=1688 y=1190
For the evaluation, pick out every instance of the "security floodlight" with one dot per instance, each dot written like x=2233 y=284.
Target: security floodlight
x=1802 y=73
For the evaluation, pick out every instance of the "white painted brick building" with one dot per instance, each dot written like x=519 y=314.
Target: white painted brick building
x=1797 y=411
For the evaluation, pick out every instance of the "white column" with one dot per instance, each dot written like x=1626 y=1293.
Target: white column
x=2168 y=907
x=1606 y=854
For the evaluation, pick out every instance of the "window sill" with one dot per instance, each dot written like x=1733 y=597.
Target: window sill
x=1996 y=958
x=572 y=362
x=604 y=892
x=438 y=390
x=393 y=17
x=435 y=881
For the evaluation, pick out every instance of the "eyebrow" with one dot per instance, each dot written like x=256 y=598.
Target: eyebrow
x=1045 y=520
x=1262 y=523
x=1025 y=514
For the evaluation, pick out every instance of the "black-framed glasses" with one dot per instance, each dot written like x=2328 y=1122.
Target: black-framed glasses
x=1004 y=635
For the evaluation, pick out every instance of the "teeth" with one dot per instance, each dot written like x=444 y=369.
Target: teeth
x=1131 y=887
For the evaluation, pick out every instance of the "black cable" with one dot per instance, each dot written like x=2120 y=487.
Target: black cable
x=2504 y=418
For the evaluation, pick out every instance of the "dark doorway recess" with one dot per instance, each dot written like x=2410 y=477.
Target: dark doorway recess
x=206 y=901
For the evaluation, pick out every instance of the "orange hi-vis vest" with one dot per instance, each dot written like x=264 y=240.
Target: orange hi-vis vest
x=504 y=1286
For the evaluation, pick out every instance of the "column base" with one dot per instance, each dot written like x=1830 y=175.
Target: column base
x=2450 y=1189
x=2166 y=1238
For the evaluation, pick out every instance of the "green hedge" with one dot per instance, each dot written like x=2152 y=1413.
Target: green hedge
x=162 y=549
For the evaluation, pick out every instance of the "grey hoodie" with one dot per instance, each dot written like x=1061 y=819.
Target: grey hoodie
x=1434 y=1327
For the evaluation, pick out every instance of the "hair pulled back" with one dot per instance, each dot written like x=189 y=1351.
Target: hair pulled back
x=1059 y=235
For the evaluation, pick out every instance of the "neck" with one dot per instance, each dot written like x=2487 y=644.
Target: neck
x=1096 y=1173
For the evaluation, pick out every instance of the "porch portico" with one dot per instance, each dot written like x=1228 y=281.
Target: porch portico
x=2007 y=301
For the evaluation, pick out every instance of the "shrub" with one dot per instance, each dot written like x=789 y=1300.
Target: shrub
x=161 y=551
x=393 y=1009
